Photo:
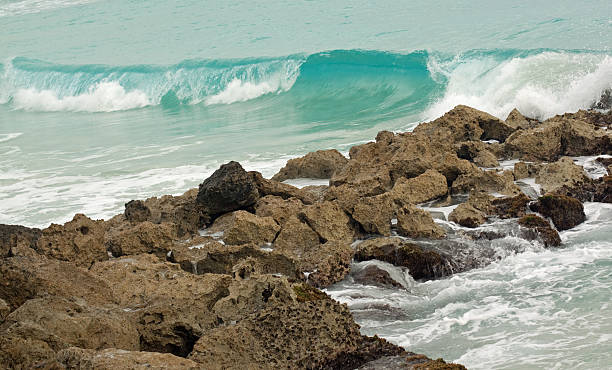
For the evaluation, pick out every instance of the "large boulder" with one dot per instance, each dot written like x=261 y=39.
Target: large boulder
x=564 y=172
x=15 y=236
x=421 y=263
x=491 y=181
x=427 y=186
x=229 y=188
x=414 y=222
x=374 y=214
x=80 y=241
x=374 y=275
x=476 y=152
x=143 y=237
x=467 y=215
x=565 y=212
x=541 y=229
x=329 y=221
x=279 y=189
x=317 y=165
x=518 y=121
x=87 y=359
x=242 y=227
x=281 y=210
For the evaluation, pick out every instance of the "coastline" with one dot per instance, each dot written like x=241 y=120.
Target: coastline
x=228 y=274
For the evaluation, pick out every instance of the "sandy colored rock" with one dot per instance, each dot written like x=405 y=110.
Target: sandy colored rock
x=118 y=359
x=15 y=236
x=467 y=215
x=428 y=186
x=517 y=121
x=565 y=212
x=278 y=208
x=317 y=165
x=285 y=191
x=476 y=152
x=143 y=237
x=491 y=181
x=5 y=309
x=229 y=188
x=329 y=221
x=374 y=214
x=563 y=172
x=542 y=230
x=80 y=241
x=242 y=227
x=327 y=264
x=464 y=123
x=421 y=264
x=24 y=353
x=521 y=171
x=414 y=222
x=296 y=238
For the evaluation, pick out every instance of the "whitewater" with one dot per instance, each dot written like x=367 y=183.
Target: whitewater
x=102 y=102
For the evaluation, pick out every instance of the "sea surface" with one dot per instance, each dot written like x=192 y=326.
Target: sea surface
x=102 y=102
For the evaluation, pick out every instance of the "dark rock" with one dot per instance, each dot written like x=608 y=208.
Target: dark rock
x=374 y=275
x=12 y=236
x=229 y=188
x=542 y=229
x=137 y=211
x=565 y=212
x=511 y=207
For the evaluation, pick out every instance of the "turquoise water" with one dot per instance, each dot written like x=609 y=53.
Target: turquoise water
x=102 y=102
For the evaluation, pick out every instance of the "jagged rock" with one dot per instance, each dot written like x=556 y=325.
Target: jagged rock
x=143 y=237
x=477 y=152
x=24 y=353
x=486 y=181
x=421 y=264
x=521 y=171
x=16 y=236
x=365 y=178
x=229 y=188
x=593 y=117
x=285 y=191
x=467 y=215
x=510 y=207
x=329 y=221
x=414 y=222
x=318 y=333
x=374 y=275
x=242 y=227
x=5 y=309
x=118 y=359
x=252 y=295
x=428 y=186
x=328 y=264
x=603 y=191
x=278 y=208
x=80 y=241
x=565 y=212
x=181 y=210
x=518 y=121
x=27 y=277
x=463 y=123
x=171 y=307
x=296 y=238
x=542 y=229
x=563 y=172
x=556 y=137
x=374 y=214
x=64 y=322
x=317 y=165
x=316 y=192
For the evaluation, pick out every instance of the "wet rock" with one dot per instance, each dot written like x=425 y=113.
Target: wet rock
x=510 y=207
x=278 y=336
x=16 y=236
x=491 y=181
x=24 y=353
x=476 y=152
x=229 y=188
x=563 y=172
x=80 y=241
x=606 y=162
x=518 y=121
x=463 y=123
x=374 y=214
x=171 y=307
x=5 y=309
x=285 y=191
x=78 y=358
x=278 y=208
x=541 y=228
x=374 y=275
x=329 y=221
x=328 y=264
x=64 y=322
x=467 y=215
x=521 y=171
x=428 y=186
x=603 y=190
x=144 y=237
x=137 y=211
x=414 y=222
x=317 y=165
x=242 y=227
x=565 y=212
x=421 y=264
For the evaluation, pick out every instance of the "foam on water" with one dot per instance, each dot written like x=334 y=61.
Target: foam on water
x=11 y=136
x=13 y=8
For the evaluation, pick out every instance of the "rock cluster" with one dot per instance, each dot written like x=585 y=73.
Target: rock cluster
x=227 y=275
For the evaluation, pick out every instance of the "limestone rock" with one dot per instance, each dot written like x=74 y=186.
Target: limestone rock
x=428 y=186
x=374 y=275
x=374 y=214
x=467 y=215
x=563 y=172
x=518 y=121
x=143 y=237
x=521 y=171
x=80 y=241
x=242 y=227
x=476 y=152
x=317 y=165
x=278 y=208
x=24 y=353
x=541 y=227
x=14 y=236
x=228 y=189
x=565 y=212
x=5 y=309
x=118 y=359
x=510 y=207
x=329 y=221
x=285 y=191
x=491 y=181
x=296 y=238
x=417 y=223
x=328 y=264
x=421 y=264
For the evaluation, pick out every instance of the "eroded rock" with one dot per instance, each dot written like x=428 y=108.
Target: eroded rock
x=414 y=222
x=317 y=165
x=242 y=227
x=565 y=212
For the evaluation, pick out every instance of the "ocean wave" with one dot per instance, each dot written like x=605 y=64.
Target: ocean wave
x=354 y=83
x=14 y=8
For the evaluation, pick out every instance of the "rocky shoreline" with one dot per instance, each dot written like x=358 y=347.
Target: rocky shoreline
x=228 y=275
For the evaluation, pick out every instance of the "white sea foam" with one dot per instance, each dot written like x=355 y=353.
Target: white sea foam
x=106 y=96
x=36 y=6
x=237 y=91
x=539 y=86
x=11 y=136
